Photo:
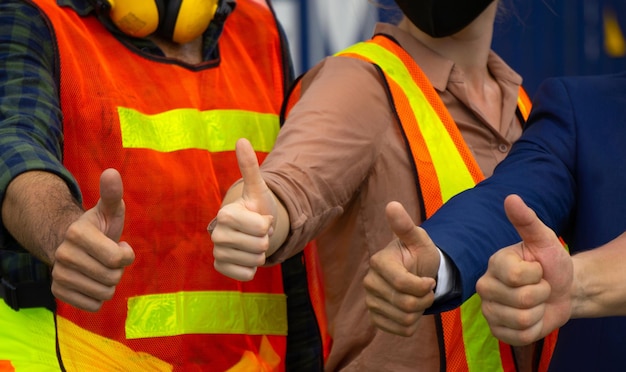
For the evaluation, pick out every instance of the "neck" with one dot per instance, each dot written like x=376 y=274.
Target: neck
x=190 y=52
x=468 y=48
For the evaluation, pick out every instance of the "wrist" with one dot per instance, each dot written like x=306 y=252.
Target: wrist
x=579 y=295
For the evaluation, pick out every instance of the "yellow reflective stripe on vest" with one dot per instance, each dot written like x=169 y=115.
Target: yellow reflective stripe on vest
x=524 y=104
x=523 y=107
x=214 y=130
x=480 y=345
x=27 y=339
x=216 y=312
x=451 y=170
x=481 y=348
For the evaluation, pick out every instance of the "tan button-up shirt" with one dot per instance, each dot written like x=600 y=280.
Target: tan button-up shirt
x=340 y=158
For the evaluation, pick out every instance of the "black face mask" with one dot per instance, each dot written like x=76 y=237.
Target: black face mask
x=440 y=18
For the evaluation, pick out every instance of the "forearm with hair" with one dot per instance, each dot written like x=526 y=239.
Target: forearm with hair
x=37 y=210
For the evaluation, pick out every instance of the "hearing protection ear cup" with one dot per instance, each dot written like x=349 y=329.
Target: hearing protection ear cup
x=177 y=20
x=138 y=18
x=185 y=20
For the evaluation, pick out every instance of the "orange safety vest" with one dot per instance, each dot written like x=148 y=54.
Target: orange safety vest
x=170 y=131
x=444 y=167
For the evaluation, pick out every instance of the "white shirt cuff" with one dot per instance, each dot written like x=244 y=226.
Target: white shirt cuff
x=444 y=282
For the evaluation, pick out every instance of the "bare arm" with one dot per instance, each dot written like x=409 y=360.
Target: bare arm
x=599 y=275
x=37 y=210
x=83 y=248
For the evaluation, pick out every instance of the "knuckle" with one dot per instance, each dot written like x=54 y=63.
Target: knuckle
x=409 y=319
x=264 y=245
x=368 y=282
x=115 y=259
x=59 y=276
x=398 y=283
x=107 y=294
x=246 y=275
x=524 y=338
x=56 y=290
x=525 y=320
x=486 y=308
x=62 y=254
x=113 y=278
x=259 y=261
x=219 y=253
x=93 y=306
x=492 y=260
x=481 y=288
x=73 y=232
x=407 y=303
x=525 y=298
x=224 y=215
x=515 y=274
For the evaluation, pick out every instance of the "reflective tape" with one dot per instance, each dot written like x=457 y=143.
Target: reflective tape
x=214 y=130
x=214 y=312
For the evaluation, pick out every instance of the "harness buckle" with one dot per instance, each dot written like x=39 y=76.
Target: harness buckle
x=27 y=295
x=9 y=293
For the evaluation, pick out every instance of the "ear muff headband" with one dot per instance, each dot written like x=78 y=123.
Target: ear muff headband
x=187 y=19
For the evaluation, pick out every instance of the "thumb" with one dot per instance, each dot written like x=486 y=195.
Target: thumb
x=534 y=233
x=111 y=209
x=545 y=248
x=255 y=193
x=424 y=253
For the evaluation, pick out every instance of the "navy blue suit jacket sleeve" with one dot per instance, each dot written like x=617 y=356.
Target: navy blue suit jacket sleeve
x=540 y=167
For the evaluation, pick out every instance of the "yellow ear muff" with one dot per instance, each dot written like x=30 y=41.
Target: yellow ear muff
x=193 y=19
x=138 y=18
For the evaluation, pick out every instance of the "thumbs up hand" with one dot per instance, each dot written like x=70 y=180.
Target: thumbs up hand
x=90 y=261
x=399 y=284
x=526 y=290
x=245 y=225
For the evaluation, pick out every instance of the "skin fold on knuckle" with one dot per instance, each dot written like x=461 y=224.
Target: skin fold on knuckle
x=409 y=320
x=525 y=319
x=482 y=288
x=63 y=255
x=62 y=276
x=105 y=294
x=488 y=310
x=406 y=303
x=400 y=283
x=113 y=277
x=116 y=258
x=528 y=297
x=516 y=275
x=74 y=232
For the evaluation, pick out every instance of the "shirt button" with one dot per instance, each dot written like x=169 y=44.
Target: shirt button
x=503 y=148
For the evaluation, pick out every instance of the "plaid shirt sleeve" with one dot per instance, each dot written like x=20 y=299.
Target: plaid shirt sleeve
x=30 y=115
